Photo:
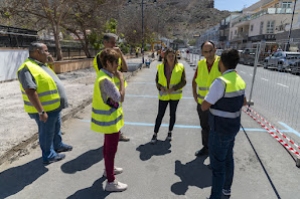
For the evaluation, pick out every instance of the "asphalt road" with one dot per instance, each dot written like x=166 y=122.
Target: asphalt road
x=276 y=96
x=165 y=170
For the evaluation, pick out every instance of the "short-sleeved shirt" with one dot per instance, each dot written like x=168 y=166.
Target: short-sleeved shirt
x=28 y=82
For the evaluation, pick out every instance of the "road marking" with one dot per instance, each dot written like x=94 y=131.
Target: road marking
x=289 y=129
x=188 y=126
x=265 y=79
x=282 y=85
x=150 y=96
x=251 y=75
x=243 y=72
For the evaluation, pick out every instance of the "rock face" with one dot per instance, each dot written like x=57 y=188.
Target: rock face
x=179 y=19
x=191 y=17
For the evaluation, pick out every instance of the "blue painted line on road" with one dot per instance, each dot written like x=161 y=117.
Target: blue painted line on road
x=177 y=126
x=150 y=96
x=289 y=129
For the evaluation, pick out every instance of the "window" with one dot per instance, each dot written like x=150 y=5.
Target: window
x=251 y=28
x=286 y=4
x=235 y=32
x=270 y=27
x=261 y=28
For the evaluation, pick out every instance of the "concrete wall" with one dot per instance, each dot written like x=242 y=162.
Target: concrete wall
x=10 y=62
x=71 y=65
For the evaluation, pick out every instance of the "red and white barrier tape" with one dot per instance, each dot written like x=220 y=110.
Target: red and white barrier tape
x=263 y=123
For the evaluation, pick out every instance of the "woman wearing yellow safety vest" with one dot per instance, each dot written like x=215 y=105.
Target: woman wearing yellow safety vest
x=107 y=114
x=170 y=79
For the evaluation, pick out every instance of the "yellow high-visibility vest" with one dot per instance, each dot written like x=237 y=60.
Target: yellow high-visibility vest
x=204 y=78
x=105 y=119
x=175 y=79
x=46 y=88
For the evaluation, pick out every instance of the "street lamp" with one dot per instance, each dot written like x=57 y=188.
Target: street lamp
x=154 y=1
x=289 y=37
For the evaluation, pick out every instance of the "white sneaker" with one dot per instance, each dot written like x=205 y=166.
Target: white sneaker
x=117 y=170
x=115 y=186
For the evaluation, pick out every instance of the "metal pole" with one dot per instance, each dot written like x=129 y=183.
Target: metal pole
x=258 y=49
x=288 y=43
x=143 y=31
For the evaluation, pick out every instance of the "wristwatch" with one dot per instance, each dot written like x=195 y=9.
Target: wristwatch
x=42 y=113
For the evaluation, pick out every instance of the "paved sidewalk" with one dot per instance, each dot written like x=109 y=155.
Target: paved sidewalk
x=18 y=133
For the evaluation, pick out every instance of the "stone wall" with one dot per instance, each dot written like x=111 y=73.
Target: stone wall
x=71 y=65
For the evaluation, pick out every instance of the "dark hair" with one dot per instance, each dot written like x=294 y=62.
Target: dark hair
x=209 y=41
x=34 y=46
x=108 y=36
x=110 y=55
x=230 y=58
x=170 y=50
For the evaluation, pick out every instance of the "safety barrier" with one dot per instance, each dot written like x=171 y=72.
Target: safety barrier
x=284 y=140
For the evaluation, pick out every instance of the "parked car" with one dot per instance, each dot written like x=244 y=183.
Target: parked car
x=282 y=60
x=247 y=56
x=295 y=68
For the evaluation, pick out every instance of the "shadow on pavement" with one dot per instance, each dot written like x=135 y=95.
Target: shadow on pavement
x=96 y=191
x=16 y=179
x=83 y=162
x=159 y=148
x=193 y=173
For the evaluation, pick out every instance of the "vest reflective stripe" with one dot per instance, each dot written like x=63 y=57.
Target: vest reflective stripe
x=105 y=119
x=229 y=106
x=28 y=103
x=174 y=92
x=234 y=94
x=200 y=97
x=225 y=114
x=104 y=112
x=175 y=79
x=203 y=88
x=109 y=123
x=204 y=78
x=46 y=88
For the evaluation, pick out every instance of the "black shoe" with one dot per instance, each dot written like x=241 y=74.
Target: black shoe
x=154 y=139
x=57 y=158
x=65 y=148
x=169 y=137
x=202 y=152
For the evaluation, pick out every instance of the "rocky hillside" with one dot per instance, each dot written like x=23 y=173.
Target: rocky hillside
x=180 y=19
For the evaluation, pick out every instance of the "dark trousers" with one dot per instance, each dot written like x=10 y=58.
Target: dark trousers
x=203 y=116
x=162 y=106
x=109 y=152
x=221 y=161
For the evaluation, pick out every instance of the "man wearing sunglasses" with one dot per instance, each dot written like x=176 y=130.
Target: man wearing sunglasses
x=207 y=71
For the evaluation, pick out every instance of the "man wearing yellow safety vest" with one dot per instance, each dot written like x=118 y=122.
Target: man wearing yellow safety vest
x=109 y=41
x=170 y=79
x=44 y=97
x=224 y=101
x=206 y=72
x=107 y=114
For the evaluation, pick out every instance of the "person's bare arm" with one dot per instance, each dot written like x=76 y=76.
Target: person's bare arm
x=124 y=64
x=205 y=105
x=245 y=101
x=119 y=75
x=194 y=88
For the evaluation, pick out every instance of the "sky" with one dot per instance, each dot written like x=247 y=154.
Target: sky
x=233 y=5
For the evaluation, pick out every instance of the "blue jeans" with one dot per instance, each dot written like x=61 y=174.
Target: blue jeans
x=49 y=134
x=221 y=160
